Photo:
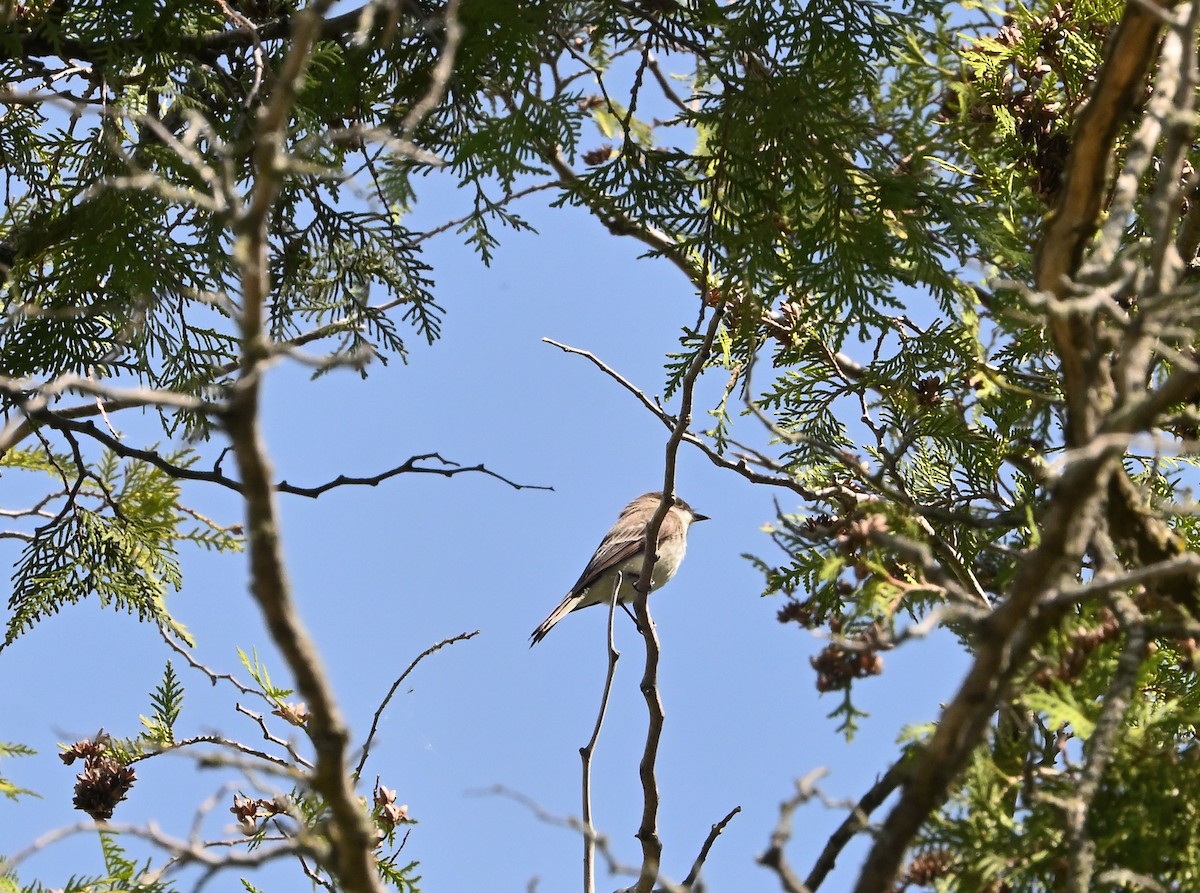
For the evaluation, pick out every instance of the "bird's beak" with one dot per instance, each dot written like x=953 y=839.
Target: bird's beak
x=696 y=517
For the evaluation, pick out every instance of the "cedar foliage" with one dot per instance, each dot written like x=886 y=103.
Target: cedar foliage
x=859 y=189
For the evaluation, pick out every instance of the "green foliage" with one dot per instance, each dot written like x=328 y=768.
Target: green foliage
x=160 y=312
x=121 y=875
x=857 y=188
x=124 y=873
x=399 y=874
x=915 y=394
x=7 y=788
x=1005 y=823
x=116 y=535
x=167 y=702
x=259 y=673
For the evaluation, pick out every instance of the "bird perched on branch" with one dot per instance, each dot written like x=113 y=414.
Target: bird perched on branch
x=621 y=552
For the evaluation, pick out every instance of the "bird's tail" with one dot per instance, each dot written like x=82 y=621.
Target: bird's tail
x=568 y=604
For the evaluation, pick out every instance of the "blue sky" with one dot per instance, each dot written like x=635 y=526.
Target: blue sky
x=382 y=573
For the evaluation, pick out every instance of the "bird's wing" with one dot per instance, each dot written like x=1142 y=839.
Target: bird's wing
x=610 y=555
x=614 y=554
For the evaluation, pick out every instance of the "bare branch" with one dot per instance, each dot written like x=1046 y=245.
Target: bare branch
x=449 y=468
x=409 y=466
x=1074 y=221
x=694 y=875
x=183 y=853
x=647 y=769
x=1187 y=565
x=1004 y=640
x=220 y=741
x=854 y=823
x=585 y=752
x=351 y=837
x=274 y=739
x=774 y=857
x=212 y=675
x=366 y=748
x=615 y=866
x=740 y=466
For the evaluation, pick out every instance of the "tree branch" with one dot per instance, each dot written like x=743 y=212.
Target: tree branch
x=648 y=830
x=179 y=472
x=714 y=832
x=774 y=856
x=352 y=839
x=585 y=752
x=366 y=748
x=1004 y=641
x=854 y=823
x=1074 y=221
x=1100 y=748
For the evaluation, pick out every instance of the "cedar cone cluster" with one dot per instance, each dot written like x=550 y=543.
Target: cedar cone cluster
x=858 y=532
x=104 y=781
x=925 y=868
x=388 y=813
x=1188 y=650
x=819 y=526
x=248 y=811
x=804 y=613
x=837 y=667
x=849 y=534
x=810 y=613
x=599 y=155
x=1082 y=642
x=929 y=391
x=1044 y=145
x=783 y=322
x=294 y=712
x=1035 y=111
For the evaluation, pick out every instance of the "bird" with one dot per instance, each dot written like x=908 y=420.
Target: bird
x=621 y=552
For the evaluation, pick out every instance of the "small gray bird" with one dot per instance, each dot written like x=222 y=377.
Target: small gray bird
x=622 y=551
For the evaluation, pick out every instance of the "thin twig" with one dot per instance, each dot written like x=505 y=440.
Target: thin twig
x=694 y=875
x=409 y=466
x=774 y=856
x=182 y=852
x=268 y=735
x=449 y=468
x=615 y=866
x=213 y=676
x=366 y=748
x=854 y=823
x=585 y=752
x=220 y=741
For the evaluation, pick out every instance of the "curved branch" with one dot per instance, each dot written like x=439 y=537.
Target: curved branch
x=585 y=752
x=1101 y=747
x=854 y=823
x=714 y=832
x=351 y=837
x=1005 y=640
x=179 y=472
x=1074 y=221
x=366 y=748
x=648 y=829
